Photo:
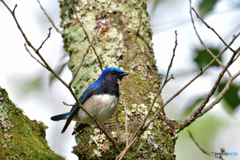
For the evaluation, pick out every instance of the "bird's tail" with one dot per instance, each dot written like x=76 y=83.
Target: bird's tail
x=60 y=116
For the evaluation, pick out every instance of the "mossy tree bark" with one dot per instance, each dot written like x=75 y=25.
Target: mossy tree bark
x=123 y=41
x=21 y=138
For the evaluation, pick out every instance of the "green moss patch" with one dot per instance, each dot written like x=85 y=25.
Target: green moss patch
x=21 y=138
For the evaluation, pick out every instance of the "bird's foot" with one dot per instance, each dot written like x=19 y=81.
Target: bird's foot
x=104 y=127
x=106 y=123
x=94 y=119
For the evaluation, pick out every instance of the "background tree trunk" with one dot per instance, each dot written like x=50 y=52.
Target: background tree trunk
x=124 y=41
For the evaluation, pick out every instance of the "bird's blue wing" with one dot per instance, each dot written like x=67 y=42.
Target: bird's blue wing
x=86 y=94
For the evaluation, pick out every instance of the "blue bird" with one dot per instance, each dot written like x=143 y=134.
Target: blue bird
x=100 y=99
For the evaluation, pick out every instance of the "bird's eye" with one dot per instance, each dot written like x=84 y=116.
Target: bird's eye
x=112 y=72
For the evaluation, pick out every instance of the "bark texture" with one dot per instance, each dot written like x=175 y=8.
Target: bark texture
x=124 y=41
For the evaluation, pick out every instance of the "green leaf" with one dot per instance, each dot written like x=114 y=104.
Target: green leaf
x=195 y=102
x=32 y=85
x=206 y=6
x=202 y=57
x=230 y=99
x=58 y=71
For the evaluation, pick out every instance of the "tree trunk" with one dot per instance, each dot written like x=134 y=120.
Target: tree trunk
x=124 y=41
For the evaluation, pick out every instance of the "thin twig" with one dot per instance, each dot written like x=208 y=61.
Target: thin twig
x=176 y=94
x=86 y=145
x=61 y=80
x=203 y=150
x=140 y=22
x=126 y=123
x=94 y=50
x=163 y=85
x=236 y=57
x=220 y=95
x=30 y=44
x=49 y=34
x=121 y=155
x=200 y=39
x=75 y=74
x=49 y=18
x=14 y=9
x=202 y=70
x=195 y=114
x=211 y=28
x=33 y=56
x=66 y=104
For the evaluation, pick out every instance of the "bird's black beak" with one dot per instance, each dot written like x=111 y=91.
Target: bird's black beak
x=124 y=74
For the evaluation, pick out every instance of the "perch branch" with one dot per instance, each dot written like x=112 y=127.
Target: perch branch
x=59 y=78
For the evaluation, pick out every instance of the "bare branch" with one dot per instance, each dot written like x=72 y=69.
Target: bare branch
x=14 y=9
x=121 y=155
x=202 y=70
x=45 y=39
x=198 y=144
x=201 y=41
x=173 y=55
x=221 y=94
x=176 y=94
x=33 y=56
x=66 y=104
x=30 y=44
x=236 y=57
x=49 y=18
x=205 y=152
x=160 y=90
x=210 y=28
x=171 y=77
x=126 y=123
x=195 y=114
x=88 y=147
x=94 y=50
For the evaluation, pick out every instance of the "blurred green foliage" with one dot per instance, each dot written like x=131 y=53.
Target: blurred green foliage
x=202 y=57
x=206 y=6
x=58 y=70
x=231 y=99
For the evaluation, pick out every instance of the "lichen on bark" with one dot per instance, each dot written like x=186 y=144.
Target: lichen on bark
x=21 y=138
x=124 y=42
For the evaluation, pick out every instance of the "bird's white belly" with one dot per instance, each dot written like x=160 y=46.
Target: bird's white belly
x=101 y=106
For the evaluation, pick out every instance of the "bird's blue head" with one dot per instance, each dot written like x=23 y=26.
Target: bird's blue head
x=112 y=74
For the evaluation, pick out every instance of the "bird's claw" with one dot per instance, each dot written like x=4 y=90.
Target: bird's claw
x=94 y=119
